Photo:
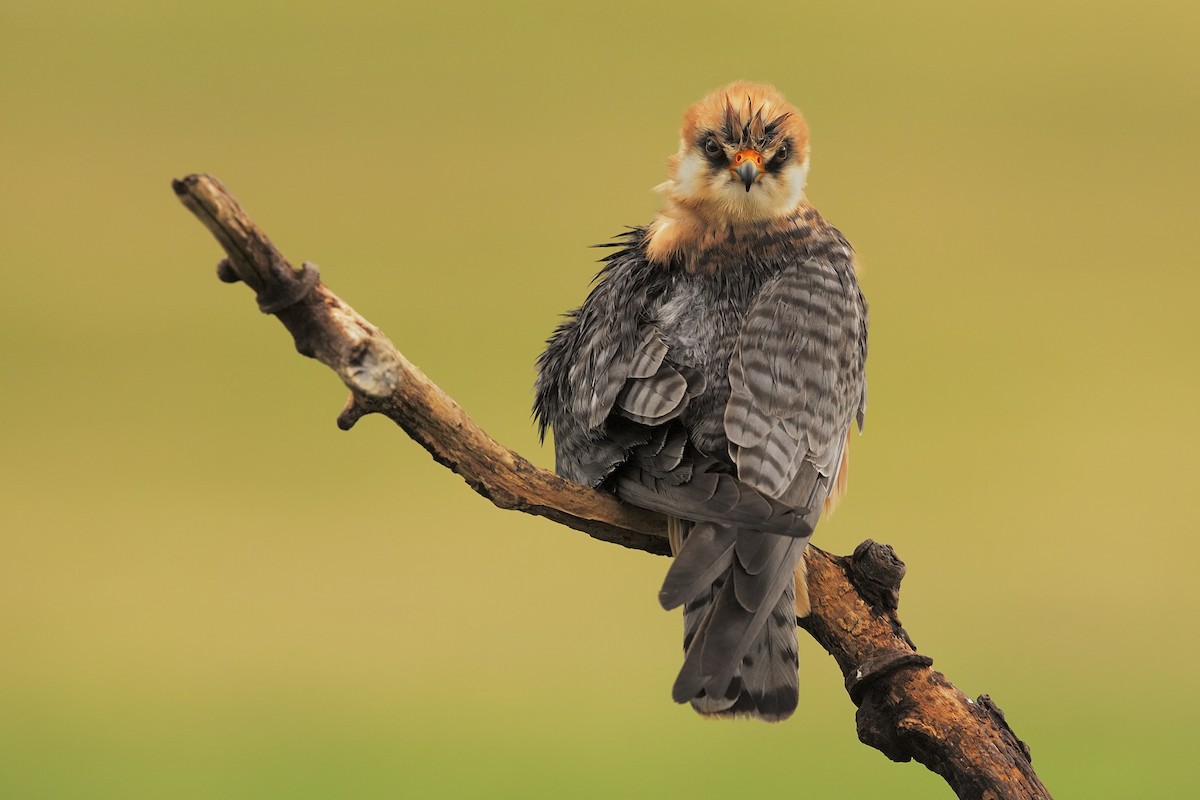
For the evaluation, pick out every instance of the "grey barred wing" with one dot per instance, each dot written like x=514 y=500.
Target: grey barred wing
x=796 y=383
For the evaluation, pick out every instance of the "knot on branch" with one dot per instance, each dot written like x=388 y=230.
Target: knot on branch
x=873 y=669
x=286 y=288
x=882 y=722
x=877 y=571
x=352 y=412
x=226 y=272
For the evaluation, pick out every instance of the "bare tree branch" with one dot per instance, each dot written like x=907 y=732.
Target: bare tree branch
x=905 y=709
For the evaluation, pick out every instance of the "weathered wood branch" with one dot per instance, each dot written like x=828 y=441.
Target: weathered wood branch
x=905 y=708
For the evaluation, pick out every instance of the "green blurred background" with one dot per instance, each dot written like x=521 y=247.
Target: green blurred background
x=207 y=590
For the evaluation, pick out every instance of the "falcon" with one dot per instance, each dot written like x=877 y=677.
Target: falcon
x=714 y=374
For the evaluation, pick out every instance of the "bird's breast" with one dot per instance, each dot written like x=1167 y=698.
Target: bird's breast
x=700 y=317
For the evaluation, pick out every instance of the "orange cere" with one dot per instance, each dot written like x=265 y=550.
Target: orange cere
x=741 y=156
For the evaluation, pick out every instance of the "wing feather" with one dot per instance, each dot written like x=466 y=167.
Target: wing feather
x=796 y=381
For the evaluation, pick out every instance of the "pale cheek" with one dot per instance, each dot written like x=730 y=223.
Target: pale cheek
x=793 y=180
x=690 y=172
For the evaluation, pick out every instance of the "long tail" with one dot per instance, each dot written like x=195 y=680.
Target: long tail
x=738 y=590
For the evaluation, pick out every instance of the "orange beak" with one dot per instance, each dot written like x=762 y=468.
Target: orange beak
x=747 y=165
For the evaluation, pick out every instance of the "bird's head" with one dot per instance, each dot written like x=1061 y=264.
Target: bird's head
x=743 y=156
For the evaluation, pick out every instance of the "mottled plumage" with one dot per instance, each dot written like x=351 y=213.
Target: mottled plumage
x=713 y=374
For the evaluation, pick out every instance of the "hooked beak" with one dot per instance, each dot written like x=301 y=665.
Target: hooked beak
x=747 y=166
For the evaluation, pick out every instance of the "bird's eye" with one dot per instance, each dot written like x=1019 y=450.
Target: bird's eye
x=711 y=147
x=781 y=154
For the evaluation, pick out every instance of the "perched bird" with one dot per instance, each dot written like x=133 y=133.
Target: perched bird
x=713 y=374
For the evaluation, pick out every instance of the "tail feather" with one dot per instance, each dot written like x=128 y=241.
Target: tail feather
x=755 y=588
x=770 y=669
x=708 y=556
x=734 y=627
x=690 y=685
x=739 y=629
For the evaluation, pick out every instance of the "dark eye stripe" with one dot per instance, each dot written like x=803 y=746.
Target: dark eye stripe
x=782 y=155
x=706 y=144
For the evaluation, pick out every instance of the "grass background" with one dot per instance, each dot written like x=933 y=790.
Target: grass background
x=206 y=590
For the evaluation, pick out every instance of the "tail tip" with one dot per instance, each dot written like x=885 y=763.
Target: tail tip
x=772 y=705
